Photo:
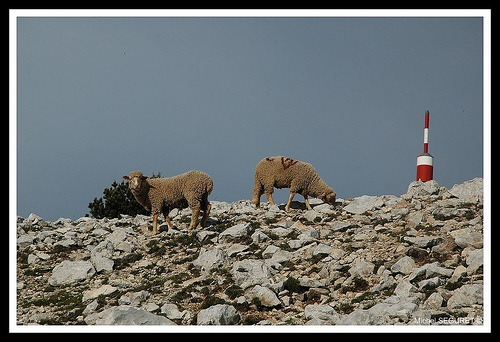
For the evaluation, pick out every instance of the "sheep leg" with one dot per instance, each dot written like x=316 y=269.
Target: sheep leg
x=155 y=224
x=256 y=201
x=169 y=222
x=165 y=212
x=206 y=212
x=308 y=206
x=290 y=199
x=257 y=192
x=269 y=197
x=194 y=218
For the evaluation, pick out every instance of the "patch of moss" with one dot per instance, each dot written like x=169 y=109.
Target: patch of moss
x=211 y=300
x=234 y=291
x=358 y=285
x=126 y=260
x=292 y=285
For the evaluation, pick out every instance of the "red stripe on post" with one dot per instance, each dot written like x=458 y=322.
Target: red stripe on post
x=426 y=133
x=424 y=172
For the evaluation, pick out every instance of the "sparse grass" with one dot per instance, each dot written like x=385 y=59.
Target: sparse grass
x=186 y=259
x=126 y=260
x=364 y=296
x=234 y=291
x=222 y=225
x=181 y=295
x=211 y=300
x=344 y=308
x=67 y=306
x=155 y=247
x=358 y=285
x=179 y=278
x=271 y=220
x=185 y=240
x=253 y=318
x=293 y=285
x=37 y=271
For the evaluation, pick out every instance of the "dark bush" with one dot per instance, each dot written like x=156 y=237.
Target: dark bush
x=117 y=199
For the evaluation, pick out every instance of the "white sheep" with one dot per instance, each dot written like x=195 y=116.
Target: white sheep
x=283 y=172
x=160 y=195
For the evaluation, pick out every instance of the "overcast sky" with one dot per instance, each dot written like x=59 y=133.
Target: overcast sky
x=100 y=97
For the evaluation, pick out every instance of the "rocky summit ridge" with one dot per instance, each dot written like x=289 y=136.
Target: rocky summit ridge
x=416 y=259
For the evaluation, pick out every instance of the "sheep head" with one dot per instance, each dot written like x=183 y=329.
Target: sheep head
x=135 y=180
x=329 y=197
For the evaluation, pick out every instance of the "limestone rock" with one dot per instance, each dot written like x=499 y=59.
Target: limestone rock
x=129 y=315
x=69 y=272
x=219 y=314
x=469 y=191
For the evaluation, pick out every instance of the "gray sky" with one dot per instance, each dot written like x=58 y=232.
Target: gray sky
x=100 y=97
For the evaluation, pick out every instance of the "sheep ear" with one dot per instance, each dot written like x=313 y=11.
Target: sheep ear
x=144 y=177
x=126 y=177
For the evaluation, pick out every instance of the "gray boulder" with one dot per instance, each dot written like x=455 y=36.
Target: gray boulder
x=469 y=239
x=467 y=295
x=24 y=241
x=430 y=270
x=134 y=298
x=237 y=231
x=172 y=311
x=219 y=314
x=469 y=191
x=321 y=314
x=101 y=256
x=363 y=317
x=129 y=315
x=210 y=259
x=400 y=307
x=422 y=190
x=424 y=241
x=474 y=261
x=104 y=290
x=264 y=295
x=68 y=272
x=405 y=265
x=429 y=284
x=362 y=269
x=250 y=272
x=361 y=204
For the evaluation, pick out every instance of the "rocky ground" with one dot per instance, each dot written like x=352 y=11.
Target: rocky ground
x=371 y=260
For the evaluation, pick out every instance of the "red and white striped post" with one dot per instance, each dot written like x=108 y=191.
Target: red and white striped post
x=425 y=162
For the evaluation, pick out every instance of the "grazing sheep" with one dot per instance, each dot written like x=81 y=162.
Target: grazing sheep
x=160 y=195
x=283 y=172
